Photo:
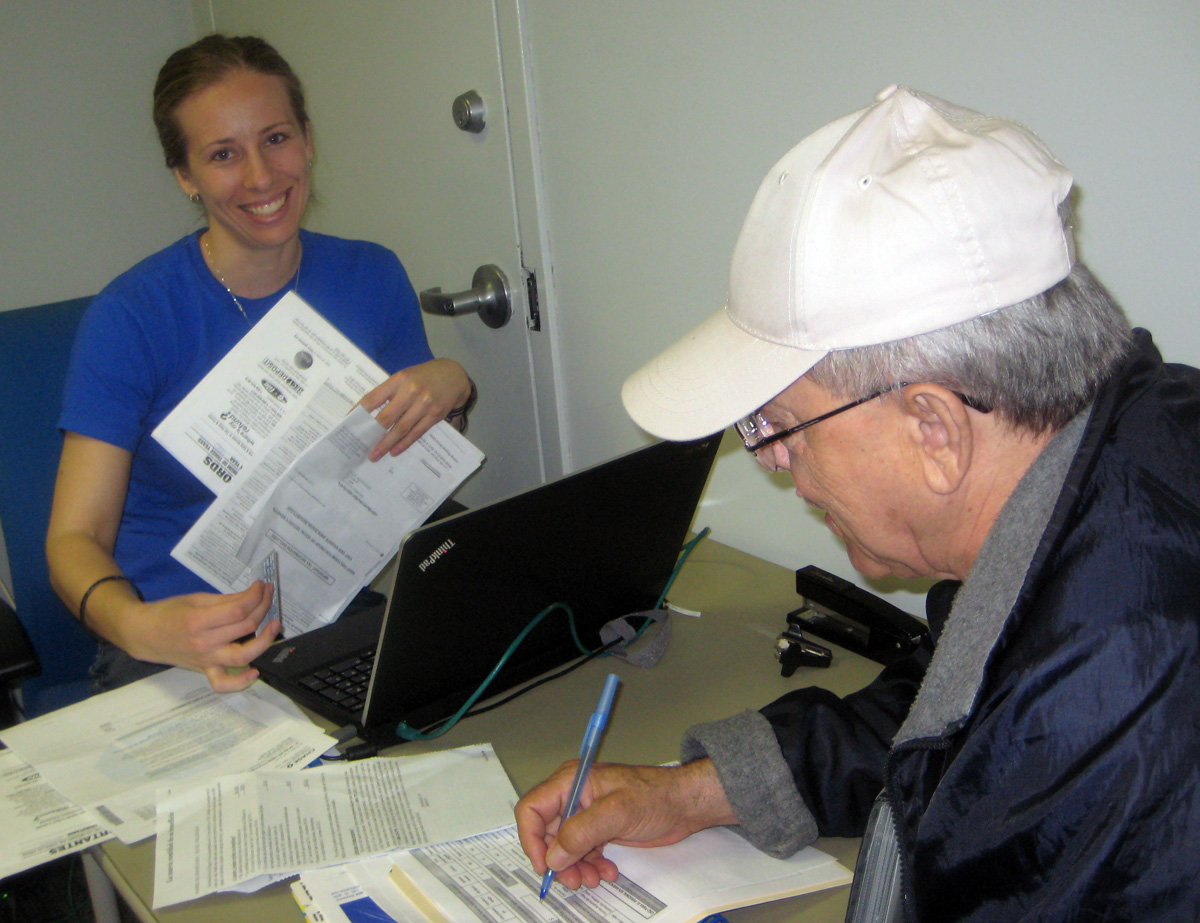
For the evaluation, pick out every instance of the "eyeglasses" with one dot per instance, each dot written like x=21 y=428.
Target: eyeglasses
x=758 y=433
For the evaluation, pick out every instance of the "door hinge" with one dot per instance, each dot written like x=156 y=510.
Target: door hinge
x=534 y=320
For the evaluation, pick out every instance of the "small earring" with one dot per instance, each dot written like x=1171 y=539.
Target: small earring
x=194 y=198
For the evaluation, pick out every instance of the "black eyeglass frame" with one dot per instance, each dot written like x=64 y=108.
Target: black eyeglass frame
x=799 y=427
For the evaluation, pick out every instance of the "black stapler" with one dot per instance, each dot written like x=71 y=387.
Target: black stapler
x=836 y=610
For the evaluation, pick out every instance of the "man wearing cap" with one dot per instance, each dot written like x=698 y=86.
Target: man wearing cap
x=910 y=336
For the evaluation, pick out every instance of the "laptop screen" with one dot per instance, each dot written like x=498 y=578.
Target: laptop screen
x=601 y=542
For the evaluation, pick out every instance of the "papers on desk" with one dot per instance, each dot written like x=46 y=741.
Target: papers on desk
x=39 y=823
x=267 y=431
x=487 y=879
x=111 y=752
x=244 y=826
x=426 y=837
x=716 y=870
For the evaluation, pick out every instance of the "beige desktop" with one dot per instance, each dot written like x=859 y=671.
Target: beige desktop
x=717 y=663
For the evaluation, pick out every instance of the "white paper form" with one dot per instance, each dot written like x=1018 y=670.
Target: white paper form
x=282 y=385
x=716 y=870
x=111 y=752
x=335 y=519
x=488 y=878
x=242 y=826
x=267 y=430
x=39 y=823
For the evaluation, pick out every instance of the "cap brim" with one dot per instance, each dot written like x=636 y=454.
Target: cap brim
x=710 y=379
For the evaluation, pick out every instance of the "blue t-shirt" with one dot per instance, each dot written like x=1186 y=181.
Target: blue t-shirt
x=156 y=330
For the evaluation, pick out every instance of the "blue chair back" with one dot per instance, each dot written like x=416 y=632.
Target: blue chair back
x=35 y=346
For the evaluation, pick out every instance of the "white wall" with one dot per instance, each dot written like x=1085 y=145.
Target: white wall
x=658 y=119
x=85 y=191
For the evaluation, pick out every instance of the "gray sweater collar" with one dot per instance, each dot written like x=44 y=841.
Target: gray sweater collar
x=985 y=601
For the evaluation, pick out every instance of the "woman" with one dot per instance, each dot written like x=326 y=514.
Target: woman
x=231 y=119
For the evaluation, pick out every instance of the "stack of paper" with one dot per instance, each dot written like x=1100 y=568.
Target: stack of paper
x=39 y=823
x=84 y=773
x=416 y=839
x=277 y=824
x=271 y=432
x=487 y=878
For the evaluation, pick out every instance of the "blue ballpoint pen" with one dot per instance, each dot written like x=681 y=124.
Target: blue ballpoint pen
x=587 y=753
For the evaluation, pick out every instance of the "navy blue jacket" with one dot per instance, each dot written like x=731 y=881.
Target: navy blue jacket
x=1069 y=790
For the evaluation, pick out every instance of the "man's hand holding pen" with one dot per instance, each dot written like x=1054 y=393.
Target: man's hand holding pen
x=627 y=805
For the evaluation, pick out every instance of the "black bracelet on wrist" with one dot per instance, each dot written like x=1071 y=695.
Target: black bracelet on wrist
x=465 y=409
x=88 y=592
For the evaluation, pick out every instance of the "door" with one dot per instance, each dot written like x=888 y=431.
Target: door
x=381 y=78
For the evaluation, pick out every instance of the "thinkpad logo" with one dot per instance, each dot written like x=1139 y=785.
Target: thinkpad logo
x=437 y=553
x=283 y=655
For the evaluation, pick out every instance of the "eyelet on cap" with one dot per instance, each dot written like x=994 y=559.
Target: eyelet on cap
x=783 y=175
x=864 y=182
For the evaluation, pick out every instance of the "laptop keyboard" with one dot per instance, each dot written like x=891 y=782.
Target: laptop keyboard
x=344 y=683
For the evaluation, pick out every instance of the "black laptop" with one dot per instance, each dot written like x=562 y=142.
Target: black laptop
x=602 y=541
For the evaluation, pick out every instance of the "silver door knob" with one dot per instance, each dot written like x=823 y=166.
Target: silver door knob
x=488 y=297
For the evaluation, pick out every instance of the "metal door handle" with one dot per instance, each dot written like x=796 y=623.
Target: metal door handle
x=488 y=296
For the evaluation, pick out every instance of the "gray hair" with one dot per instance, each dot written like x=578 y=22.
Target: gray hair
x=1037 y=363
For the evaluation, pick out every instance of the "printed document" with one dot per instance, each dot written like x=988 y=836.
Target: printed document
x=267 y=431
x=488 y=879
x=39 y=823
x=334 y=518
x=286 y=381
x=239 y=827
x=110 y=753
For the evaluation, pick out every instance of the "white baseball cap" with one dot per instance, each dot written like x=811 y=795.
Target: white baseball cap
x=905 y=217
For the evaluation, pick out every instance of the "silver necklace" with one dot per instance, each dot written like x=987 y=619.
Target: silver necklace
x=220 y=278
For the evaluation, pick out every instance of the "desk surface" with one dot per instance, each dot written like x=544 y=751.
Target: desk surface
x=716 y=665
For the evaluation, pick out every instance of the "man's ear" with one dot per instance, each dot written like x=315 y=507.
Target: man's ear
x=942 y=433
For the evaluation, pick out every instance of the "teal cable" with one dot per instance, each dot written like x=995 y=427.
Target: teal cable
x=683 y=556
x=687 y=550
x=405 y=731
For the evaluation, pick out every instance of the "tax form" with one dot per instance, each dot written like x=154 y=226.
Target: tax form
x=333 y=518
x=274 y=432
x=245 y=826
x=289 y=379
x=110 y=753
x=39 y=823
x=488 y=879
